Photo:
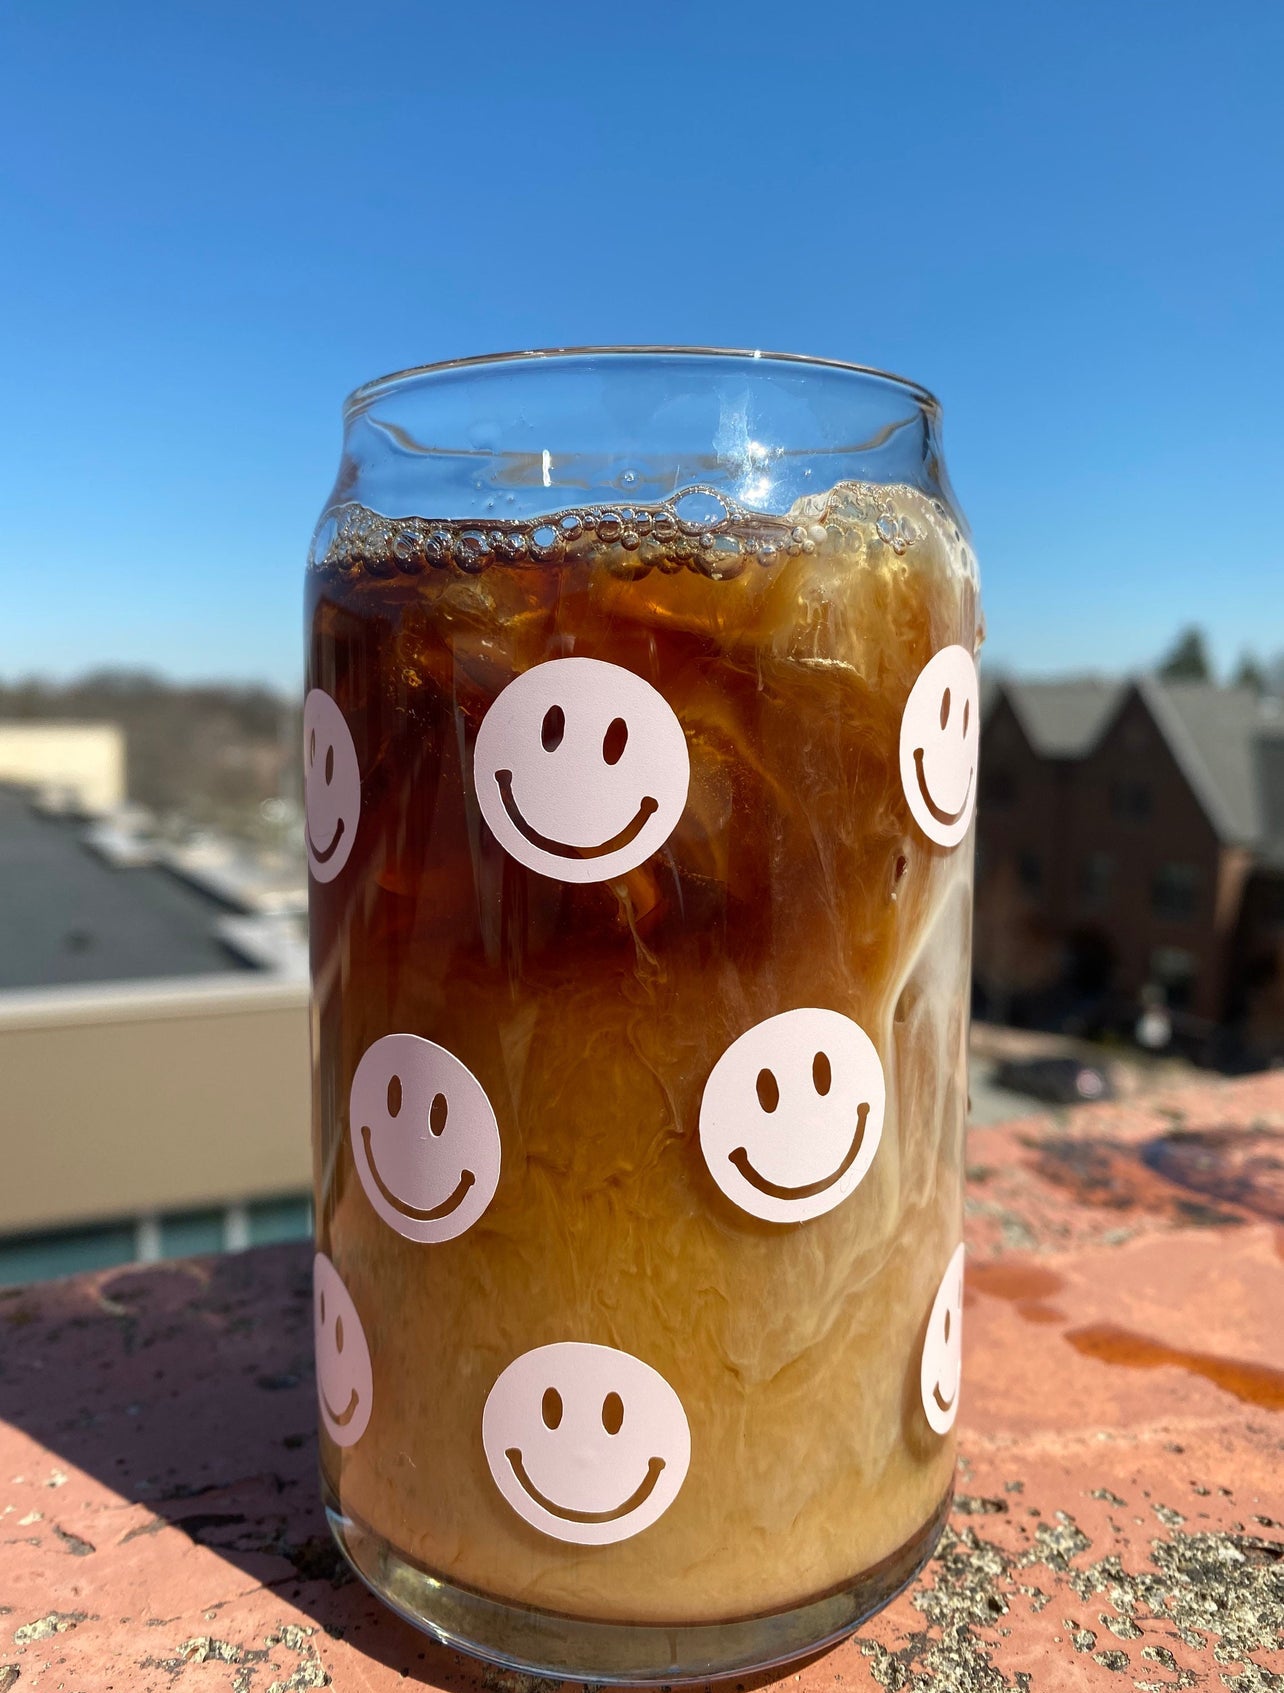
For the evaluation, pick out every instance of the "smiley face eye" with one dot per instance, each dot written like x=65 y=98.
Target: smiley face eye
x=551 y=1408
x=394 y=1095
x=768 y=1090
x=612 y=1413
x=615 y=740
x=947 y=1323
x=322 y=1307
x=967 y=712
x=338 y=1334
x=437 y=1114
x=553 y=728
x=329 y=765
x=822 y=1074
x=312 y=747
x=945 y=708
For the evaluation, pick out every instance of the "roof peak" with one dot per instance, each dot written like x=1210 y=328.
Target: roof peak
x=1214 y=731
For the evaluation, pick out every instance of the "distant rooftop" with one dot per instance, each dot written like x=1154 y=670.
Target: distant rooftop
x=1063 y=719
x=1213 y=734
x=68 y=917
x=1269 y=754
x=1229 y=742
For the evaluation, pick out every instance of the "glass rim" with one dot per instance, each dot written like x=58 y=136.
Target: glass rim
x=367 y=391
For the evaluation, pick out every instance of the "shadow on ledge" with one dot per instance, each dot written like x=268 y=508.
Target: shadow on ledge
x=187 y=1389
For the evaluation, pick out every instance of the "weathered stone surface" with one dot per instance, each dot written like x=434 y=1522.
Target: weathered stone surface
x=1120 y=1516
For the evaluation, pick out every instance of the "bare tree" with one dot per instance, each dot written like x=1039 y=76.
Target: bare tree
x=212 y=752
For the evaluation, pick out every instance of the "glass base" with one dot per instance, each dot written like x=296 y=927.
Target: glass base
x=570 y=1648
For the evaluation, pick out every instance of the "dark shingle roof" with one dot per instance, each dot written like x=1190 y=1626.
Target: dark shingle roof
x=1268 y=759
x=1228 y=742
x=68 y=917
x=1063 y=719
x=1211 y=732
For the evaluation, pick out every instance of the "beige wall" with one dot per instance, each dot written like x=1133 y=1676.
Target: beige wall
x=156 y=1096
x=88 y=758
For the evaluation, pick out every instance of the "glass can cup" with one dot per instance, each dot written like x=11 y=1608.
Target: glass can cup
x=640 y=759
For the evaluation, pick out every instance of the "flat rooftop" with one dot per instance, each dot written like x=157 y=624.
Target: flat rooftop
x=67 y=917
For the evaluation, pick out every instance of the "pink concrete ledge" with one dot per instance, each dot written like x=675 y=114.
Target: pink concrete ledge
x=1120 y=1516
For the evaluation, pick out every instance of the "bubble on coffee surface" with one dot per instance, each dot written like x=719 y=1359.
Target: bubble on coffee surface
x=698 y=528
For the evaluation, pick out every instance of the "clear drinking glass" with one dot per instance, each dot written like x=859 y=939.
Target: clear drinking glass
x=640 y=760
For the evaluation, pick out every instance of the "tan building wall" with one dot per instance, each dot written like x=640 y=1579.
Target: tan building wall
x=154 y=1097
x=88 y=759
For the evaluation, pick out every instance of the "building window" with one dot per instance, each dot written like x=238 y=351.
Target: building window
x=1130 y=800
x=1174 y=891
x=1096 y=874
x=183 y=1234
x=273 y=1220
x=1029 y=871
x=998 y=790
x=1173 y=969
x=64 y=1252
x=144 y=1240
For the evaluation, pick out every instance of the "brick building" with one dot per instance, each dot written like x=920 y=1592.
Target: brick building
x=1131 y=850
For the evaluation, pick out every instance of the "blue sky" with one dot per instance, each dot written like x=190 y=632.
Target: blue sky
x=218 y=218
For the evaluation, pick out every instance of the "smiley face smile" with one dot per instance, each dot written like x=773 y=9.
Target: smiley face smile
x=420 y=1124
x=638 y=1497
x=331 y=786
x=343 y=1372
x=600 y=760
x=774 y=1190
x=941 y=1364
x=341 y=1419
x=324 y=854
x=940 y=744
x=617 y=843
x=946 y=818
x=566 y=1425
x=433 y=1212
x=801 y=1092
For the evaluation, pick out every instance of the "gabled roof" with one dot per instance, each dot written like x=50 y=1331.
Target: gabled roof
x=1063 y=719
x=1268 y=759
x=1227 y=742
x=1212 y=733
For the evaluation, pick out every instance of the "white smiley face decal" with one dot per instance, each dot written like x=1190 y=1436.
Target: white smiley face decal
x=331 y=786
x=941 y=1370
x=424 y=1138
x=581 y=769
x=940 y=740
x=586 y=1443
x=345 y=1385
x=792 y=1114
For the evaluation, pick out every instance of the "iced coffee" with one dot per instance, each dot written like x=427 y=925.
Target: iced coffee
x=640 y=853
